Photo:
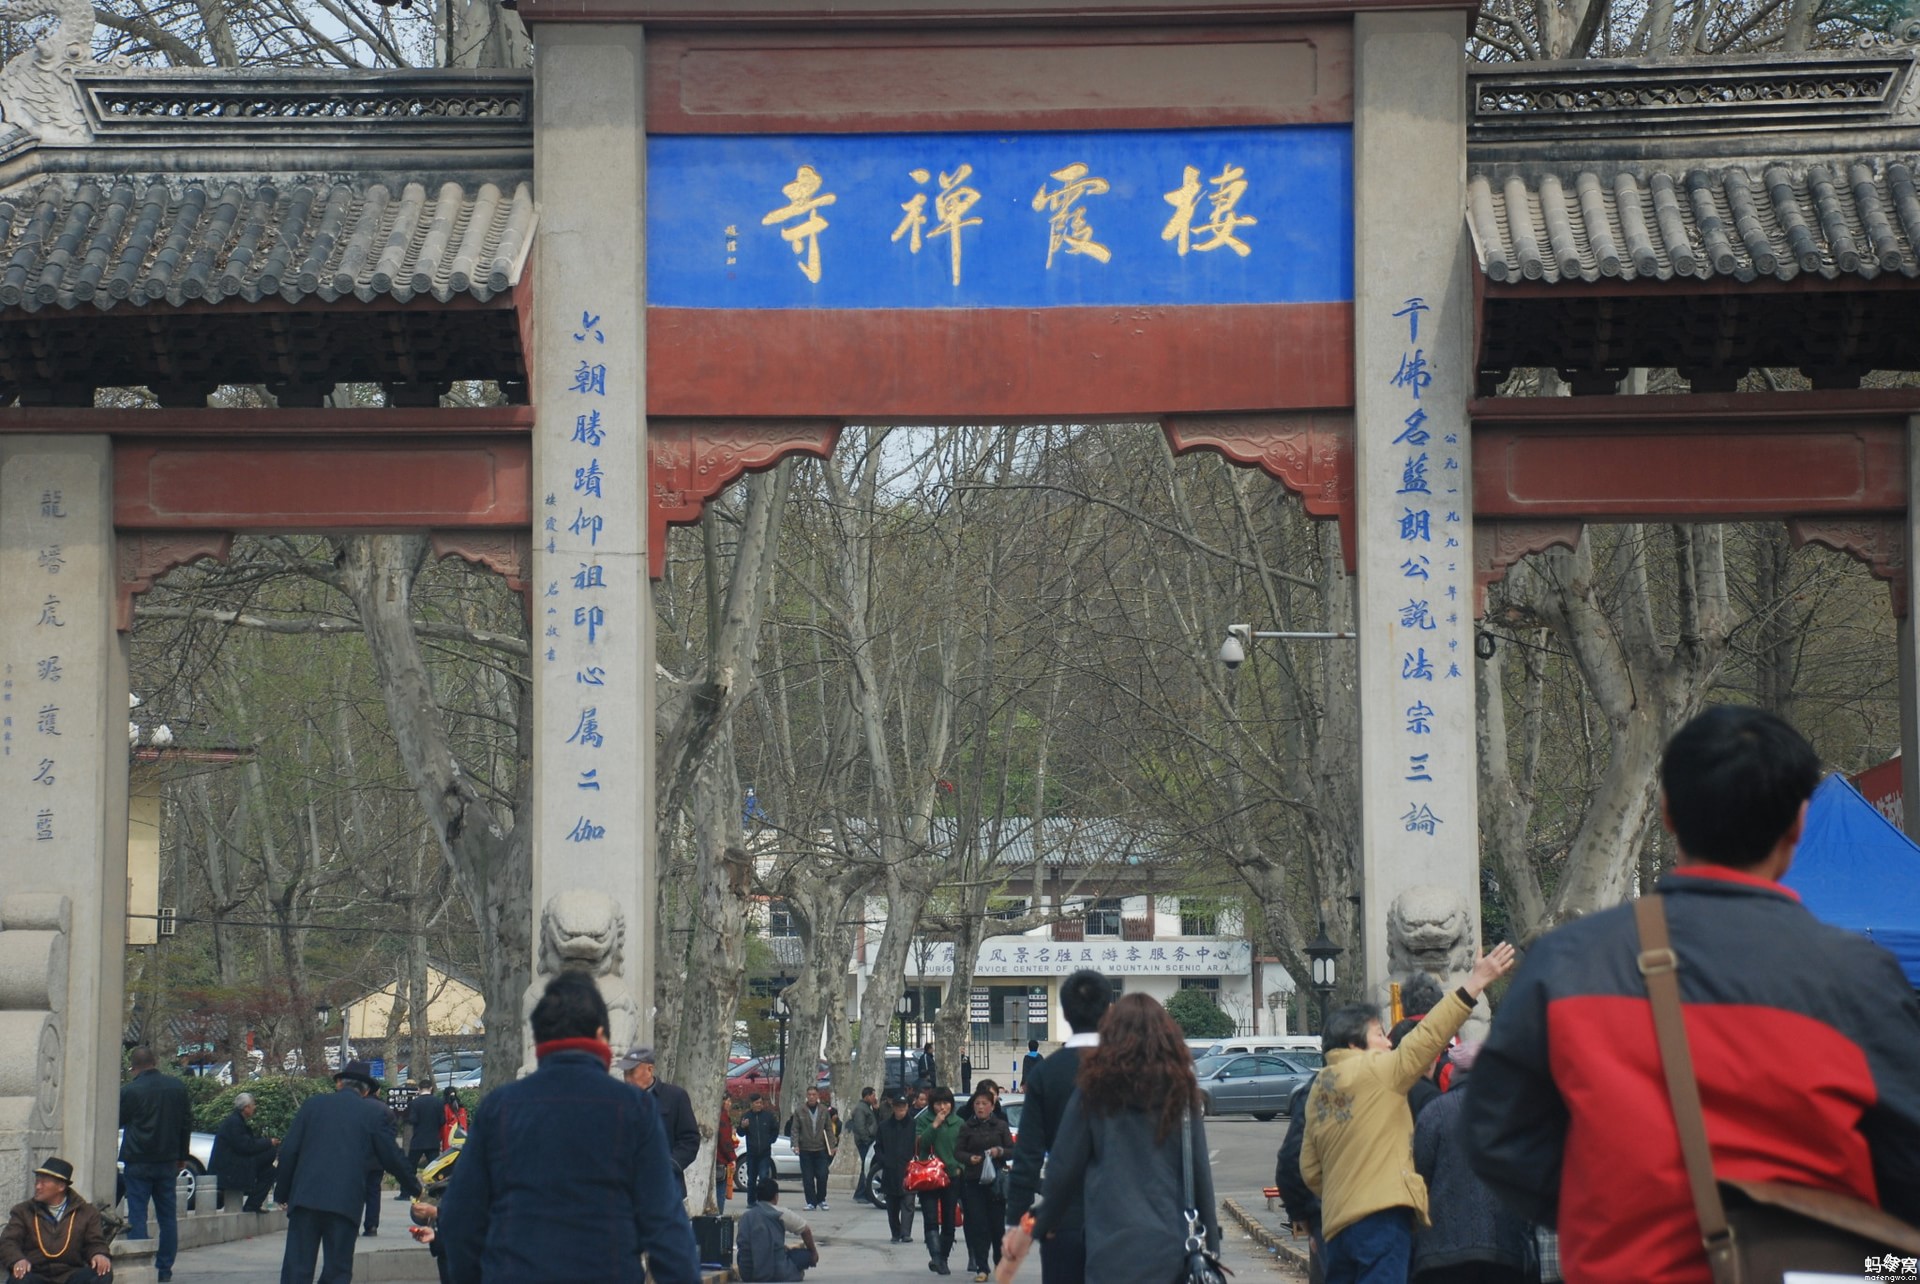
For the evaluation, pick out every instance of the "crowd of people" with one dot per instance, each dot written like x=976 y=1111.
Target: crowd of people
x=1548 y=1151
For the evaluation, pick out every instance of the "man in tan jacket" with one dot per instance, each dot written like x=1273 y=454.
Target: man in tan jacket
x=1358 y=1151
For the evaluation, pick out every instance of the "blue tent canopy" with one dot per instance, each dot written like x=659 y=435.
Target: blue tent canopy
x=1856 y=871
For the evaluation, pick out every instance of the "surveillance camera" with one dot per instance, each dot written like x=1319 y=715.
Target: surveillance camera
x=1233 y=651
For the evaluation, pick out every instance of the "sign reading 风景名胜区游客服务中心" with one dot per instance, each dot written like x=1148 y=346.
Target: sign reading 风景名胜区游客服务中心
x=974 y=220
x=1023 y=956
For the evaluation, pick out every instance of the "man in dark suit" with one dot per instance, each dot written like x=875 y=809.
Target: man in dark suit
x=423 y=1119
x=242 y=1162
x=676 y=1109
x=1084 y=998
x=322 y=1180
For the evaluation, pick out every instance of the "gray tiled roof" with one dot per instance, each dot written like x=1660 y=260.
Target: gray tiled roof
x=1847 y=216
x=1741 y=168
x=1066 y=841
x=106 y=241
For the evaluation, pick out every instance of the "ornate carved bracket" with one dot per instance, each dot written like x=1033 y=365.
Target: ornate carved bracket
x=508 y=554
x=689 y=461
x=1310 y=452
x=1497 y=545
x=144 y=556
x=1880 y=542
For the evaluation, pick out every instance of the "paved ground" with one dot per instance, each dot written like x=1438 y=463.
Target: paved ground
x=853 y=1237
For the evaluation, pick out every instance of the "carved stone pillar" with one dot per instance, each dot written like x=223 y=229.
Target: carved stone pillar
x=63 y=833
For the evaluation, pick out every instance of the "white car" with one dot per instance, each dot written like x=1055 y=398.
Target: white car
x=199 y=1155
x=786 y=1160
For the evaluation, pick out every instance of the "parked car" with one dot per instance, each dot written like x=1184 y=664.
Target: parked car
x=451 y=1070
x=762 y=1075
x=199 y=1155
x=1254 y=1084
x=786 y=1160
x=1304 y=1048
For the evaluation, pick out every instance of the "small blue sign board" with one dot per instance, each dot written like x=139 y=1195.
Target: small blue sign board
x=378 y=1067
x=889 y=221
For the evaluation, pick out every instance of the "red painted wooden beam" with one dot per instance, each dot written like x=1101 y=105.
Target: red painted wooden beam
x=330 y=483
x=773 y=15
x=839 y=82
x=1002 y=363
x=1721 y=457
x=266 y=423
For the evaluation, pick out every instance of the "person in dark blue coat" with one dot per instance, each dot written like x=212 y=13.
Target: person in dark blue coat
x=565 y=1177
x=322 y=1178
x=242 y=1161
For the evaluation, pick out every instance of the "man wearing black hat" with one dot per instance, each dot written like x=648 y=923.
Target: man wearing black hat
x=55 y=1237
x=676 y=1109
x=322 y=1180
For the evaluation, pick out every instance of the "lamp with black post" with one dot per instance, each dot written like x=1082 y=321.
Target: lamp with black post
x=780 y=1016
x=1321 y=953
x=908 y=1004
x=323 y=1016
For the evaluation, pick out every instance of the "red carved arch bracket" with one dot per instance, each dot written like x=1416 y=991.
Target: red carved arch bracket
x=508 y=554
x=141 y=557
x=1308 y=451
x=1880 y=542
x=689 y=461
x=1498 y=544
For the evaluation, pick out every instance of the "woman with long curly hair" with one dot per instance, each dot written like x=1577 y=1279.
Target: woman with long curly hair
x=1120 y=1142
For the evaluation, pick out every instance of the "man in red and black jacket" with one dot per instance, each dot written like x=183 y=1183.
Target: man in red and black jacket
x=1805 y=1038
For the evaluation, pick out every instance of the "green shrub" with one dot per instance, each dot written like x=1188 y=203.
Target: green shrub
x=278 y=1098
x=1198 y=1016
x=202 y=1089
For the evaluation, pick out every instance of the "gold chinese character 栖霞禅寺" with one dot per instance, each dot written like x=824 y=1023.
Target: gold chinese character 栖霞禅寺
x=804 y=199
x=1229 y=185
x=1068 y=228
x=950 y=208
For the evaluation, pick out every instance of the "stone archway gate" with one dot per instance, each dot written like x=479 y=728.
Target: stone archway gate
x=704 y=236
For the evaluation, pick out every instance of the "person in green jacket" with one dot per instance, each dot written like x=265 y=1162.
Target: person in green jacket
x=936 y=1135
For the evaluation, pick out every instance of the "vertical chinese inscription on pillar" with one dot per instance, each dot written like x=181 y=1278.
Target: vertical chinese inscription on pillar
x=572 y=612
x=1427 y=514
x=44 y=500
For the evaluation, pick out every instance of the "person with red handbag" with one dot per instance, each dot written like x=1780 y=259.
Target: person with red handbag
x=936 y=1138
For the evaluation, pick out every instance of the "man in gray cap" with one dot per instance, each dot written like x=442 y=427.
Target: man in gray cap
x=322 y=1179
x=676 y=1109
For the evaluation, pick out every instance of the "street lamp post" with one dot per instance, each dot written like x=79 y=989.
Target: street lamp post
x=780 y=1015
x=1322 y=954
x=903 y=1007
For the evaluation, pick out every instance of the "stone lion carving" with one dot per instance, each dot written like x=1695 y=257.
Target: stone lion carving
x=37 y=92
x=586 y=930
x=1429 y=929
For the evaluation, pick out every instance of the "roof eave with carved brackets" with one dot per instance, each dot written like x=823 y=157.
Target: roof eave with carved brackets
x=475 y=125
x=1755 y=110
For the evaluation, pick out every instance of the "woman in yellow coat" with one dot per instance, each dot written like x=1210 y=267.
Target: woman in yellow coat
x=1357 y=1155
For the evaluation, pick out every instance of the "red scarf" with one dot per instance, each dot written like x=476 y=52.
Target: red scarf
x=544 y=1050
